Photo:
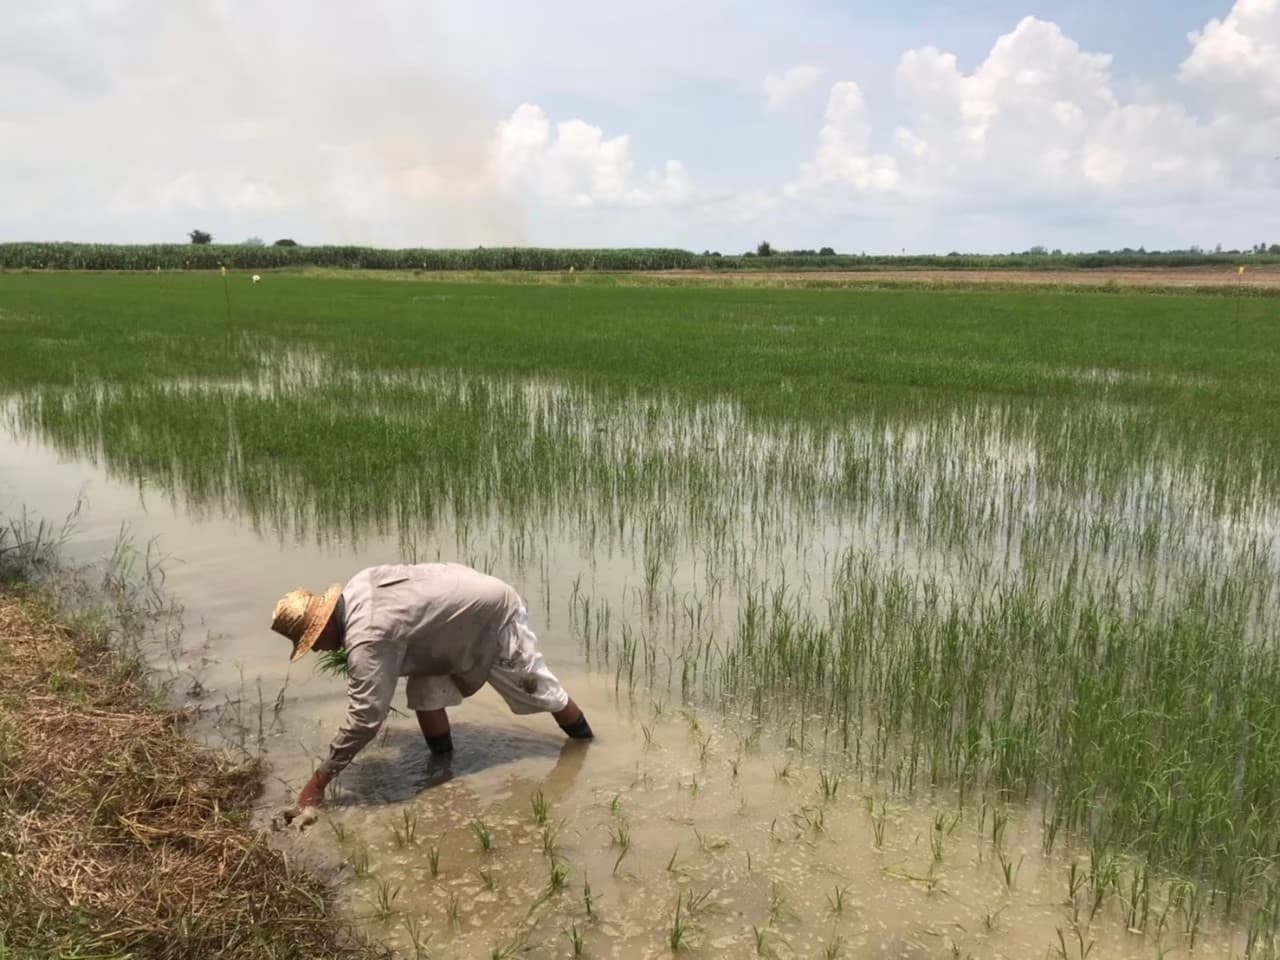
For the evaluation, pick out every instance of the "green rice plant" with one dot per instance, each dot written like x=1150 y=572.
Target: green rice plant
x=549 y=837
x=704 y=746
x=452 y=912
x=332 y=663
x=557 y=876
x=836 y=899
x=829 y=783
x=406 y=835
x=588 y=901
x=386 y=896
x=538 y=804
x=1008 y=869
x=359 y=861
x=878 y=820
x=620 y=837
x=433 y=860
x=339 y=831
x=678 y=933
x=419 y=942
x=761 y=937
x=483 y=835
x=576 y=940
x=834 y=949
x=672 y=865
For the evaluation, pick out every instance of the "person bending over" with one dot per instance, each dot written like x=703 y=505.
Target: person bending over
x=448 y=628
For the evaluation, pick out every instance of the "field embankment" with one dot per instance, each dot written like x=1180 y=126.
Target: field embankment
x=119 y=836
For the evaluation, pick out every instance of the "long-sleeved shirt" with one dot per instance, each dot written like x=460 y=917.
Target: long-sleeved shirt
x=411 y=620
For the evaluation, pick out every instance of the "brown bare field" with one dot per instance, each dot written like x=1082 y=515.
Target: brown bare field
x=1265 y=277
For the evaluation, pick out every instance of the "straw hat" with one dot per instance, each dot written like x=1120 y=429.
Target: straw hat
x=301 y=616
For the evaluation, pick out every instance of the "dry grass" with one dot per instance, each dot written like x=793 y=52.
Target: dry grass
x=119 y=835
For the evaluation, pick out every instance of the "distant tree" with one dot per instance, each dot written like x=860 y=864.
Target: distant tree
x=1038 y=251
x=1057 y=251
x=199 y=236
x=1274 y=249
x=764 y=249
x=826 y=252
x=285 y=242
x=253 y=242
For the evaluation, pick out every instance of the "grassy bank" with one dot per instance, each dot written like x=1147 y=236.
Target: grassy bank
x=119 y=837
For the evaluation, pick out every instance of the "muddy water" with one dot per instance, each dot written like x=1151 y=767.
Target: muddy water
x=685 y=829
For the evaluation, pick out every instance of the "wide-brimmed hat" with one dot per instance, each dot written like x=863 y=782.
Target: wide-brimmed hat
x=301 y=616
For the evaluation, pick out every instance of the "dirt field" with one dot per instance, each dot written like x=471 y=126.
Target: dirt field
x=1267 y=278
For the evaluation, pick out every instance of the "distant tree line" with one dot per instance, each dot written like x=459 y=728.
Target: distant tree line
x=201 y=253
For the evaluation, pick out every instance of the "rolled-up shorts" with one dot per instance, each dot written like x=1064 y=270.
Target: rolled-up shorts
x=520 y=675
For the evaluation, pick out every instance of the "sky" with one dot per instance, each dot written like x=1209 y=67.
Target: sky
x=916 y=126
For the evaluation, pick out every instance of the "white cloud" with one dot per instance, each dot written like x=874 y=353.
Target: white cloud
x=781 y=88
x=575 y=165
x=1040 y=118
x=844 y=152
x=1240 y=54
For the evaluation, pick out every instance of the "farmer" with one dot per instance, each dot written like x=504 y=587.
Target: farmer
x=446 y=627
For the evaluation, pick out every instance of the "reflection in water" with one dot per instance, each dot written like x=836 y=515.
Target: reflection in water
x=1007 y=602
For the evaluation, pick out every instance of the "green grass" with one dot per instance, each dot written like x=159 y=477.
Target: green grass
x=1019 y=543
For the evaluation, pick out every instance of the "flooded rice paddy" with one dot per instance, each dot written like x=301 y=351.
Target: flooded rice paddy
x=988 y=680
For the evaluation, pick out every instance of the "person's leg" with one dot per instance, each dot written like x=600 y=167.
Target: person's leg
x=435 y=728
x=523 y=679
x=427 y=697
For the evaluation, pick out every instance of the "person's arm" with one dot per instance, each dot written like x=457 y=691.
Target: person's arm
x=372 y=672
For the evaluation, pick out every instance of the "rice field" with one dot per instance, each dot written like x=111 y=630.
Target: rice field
x=919 y=623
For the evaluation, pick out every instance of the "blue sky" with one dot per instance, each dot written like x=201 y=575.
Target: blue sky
x=865 y=126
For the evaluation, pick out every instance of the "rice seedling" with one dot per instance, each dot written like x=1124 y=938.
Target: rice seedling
x=433 y=860
x=878 y=819
x=549 y=834
x=678 y=933
x=538 y=804
x=761 y=938
x=829 y=784
x=483 y=835
x=406 y=834
x=385 y=898
x=486 y=878
x=620 y=837
x=834 y=948
x=418 y=941
x=1008 y=868
x=576 y=940
x=836 y=899
x=588 y=901
x=557 y=876
x=339 y=831
x=359 y=861
x=452 y=912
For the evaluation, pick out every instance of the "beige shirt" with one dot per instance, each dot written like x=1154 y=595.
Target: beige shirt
x=411 y=620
